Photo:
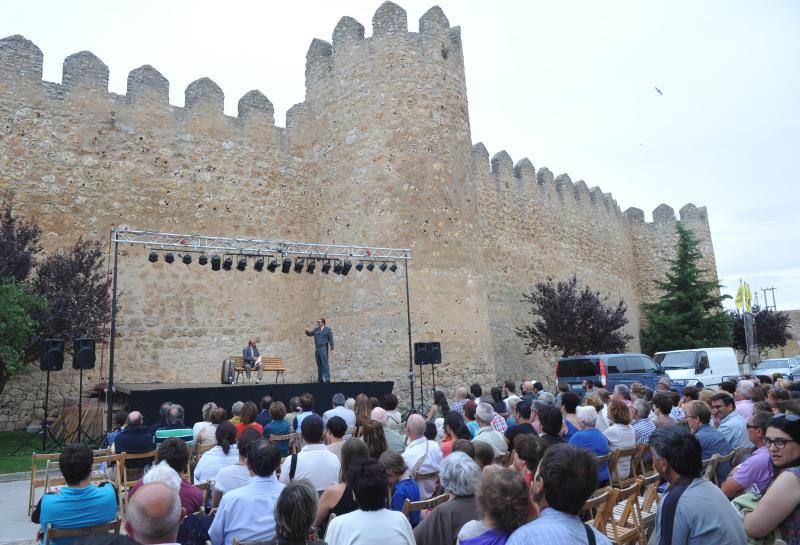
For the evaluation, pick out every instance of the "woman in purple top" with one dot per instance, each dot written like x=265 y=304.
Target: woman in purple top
x=503 y=501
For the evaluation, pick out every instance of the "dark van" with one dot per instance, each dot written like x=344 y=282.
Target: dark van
x=608 y=370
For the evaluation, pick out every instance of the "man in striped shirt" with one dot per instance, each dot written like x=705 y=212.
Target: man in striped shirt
x=174 y=428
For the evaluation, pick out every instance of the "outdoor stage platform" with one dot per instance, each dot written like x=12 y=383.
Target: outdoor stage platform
x=147 y=398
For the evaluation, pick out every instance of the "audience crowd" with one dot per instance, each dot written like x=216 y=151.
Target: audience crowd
x=498 y=468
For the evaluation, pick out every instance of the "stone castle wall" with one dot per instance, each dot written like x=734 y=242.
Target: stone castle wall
x=379 y=153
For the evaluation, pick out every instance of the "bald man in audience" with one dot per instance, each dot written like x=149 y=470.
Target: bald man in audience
x=154 y=514
x=422 y=456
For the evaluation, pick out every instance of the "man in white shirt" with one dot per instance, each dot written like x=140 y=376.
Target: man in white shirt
x=314 y=462
x=247 y=513
x=423 y=457
x=340 y=410
x=486 y=434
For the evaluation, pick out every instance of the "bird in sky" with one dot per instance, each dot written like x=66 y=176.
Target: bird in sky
x=658 y=91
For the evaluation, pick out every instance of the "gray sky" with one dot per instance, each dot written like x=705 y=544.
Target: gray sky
x=568 y=84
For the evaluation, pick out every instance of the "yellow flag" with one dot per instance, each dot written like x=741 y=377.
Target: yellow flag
x=748 y=297
x=740 y=295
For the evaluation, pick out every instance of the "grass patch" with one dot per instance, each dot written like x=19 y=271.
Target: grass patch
x=11 y=441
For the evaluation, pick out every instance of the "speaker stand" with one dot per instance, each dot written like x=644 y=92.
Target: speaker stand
x=80 y=436
x=44 y=429
x=421 y=409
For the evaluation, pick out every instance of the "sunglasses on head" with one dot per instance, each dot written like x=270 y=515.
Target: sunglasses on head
x=789 y=417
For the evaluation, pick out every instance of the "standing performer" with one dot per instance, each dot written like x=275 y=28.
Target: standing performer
x=252 y=358
x=323 y=336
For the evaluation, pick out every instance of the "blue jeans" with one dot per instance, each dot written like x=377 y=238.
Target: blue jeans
x=323 y=371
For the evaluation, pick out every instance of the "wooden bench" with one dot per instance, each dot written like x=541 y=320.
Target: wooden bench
x=270 y=364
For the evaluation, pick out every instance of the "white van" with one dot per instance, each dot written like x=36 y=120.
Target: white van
x=706 y=365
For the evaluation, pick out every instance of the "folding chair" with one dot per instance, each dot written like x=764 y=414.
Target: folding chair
x=619 y=456
x=599 y=507
x=291 y=437
x=130 y=476
x=54 y=533
x=625 y=524
x=722 y=459
x=411 y=506
x=648 y=502
x=710 y=468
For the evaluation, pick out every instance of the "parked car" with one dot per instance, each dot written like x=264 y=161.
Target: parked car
x=607 y=370
x=706 y=365
x=784 y=366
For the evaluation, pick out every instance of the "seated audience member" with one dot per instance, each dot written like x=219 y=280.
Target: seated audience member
x=338 y=498
x=570 y=402
x=236 y=411
x=476 y=393
x=663 y=384
x=509 y=389
x=462 y=396
x=374 y=402
x=174 y=428
x=528 y=393
x=731 y=424
x=120 y=421
x=742 y=395
x=292 y=412
x=247 y=512
x=371 y=523
x=705 y=396
x=698 y=418
x=294 y=514
x=561 y=389
x=522 y=417
x=551 y=421
x=237 y=475
x=314 y=462
x=162 y=417
x=602 y=421
x=528 y=452
x=223 y=454
x=779 y=507
x=676 y=413
x=80 y=503
x=431 y=430
x=593 y=439
x=207 y=435
x=503 y=503
x=484 y=457
x=690 y=393
x=175 y=454
x=662 y=407
x=278 y=426
x=362 y=410
x=247 y=419
x=263 y=417
x=642 y=425
x=693 y=509
x=440 y=407
x=460 y=478
x=393 y=416
x=465 y=446
x=754 y=474
x=497 y=401
x=486 y=433
x=339 y=410
x=728 y=386
x=422 y=456
x=404 y=487
x=620 y=435
x=511 y=402
x=565 y=479
x=154 y=514
x=335 y=430
x=469 y=416
x=205 y=422
x=454 y=428
x=394 y=441
x=372 y=435
x=136 y=438
x=350 y=403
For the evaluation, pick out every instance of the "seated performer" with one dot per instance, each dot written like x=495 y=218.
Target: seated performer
x=252 y=358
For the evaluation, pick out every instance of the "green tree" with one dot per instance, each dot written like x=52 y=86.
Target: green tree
x=18 y=327
x=689 y=313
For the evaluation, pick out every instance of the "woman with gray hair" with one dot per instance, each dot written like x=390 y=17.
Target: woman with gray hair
x=589 y=437
x=204 y=424
x=294 y=514
x=460 y=477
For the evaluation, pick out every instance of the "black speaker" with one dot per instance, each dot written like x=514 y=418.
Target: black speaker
x=428 y=353
x=83 y=353
x=52 y=355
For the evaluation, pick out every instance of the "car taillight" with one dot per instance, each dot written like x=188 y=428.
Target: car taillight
x=603 y=375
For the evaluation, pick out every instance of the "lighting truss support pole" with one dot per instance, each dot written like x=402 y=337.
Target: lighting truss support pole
x=113 y=334
x=410 y=349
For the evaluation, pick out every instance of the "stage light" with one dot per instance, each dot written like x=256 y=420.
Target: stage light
x=337 y=267
x=370 y=266
x=298 y=265
x=228 y=263
x=360 y=266
x=203 y=260
x=169 y=258
x=382 y=266
x=326 y=266
x=259 y=264
x=287 y=265
x=346 y=266
x=273 y=265
x=393 y=267
x=216 y=261
x=312 y=264
x=242 y=264
x=153 y=257
x=187 y=259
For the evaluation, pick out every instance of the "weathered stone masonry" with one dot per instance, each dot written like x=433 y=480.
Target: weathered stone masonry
x=379 y=153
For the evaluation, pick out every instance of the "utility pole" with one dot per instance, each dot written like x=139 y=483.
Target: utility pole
x=766 y=299
x=757 y=303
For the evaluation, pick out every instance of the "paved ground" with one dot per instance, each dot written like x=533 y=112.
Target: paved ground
x=15 y=525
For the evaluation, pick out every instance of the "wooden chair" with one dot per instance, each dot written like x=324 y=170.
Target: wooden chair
x=741 y=454
x=643 y=459
x=130 y=476
x=40 y=482
x=205 y=488
x=291 y=437
x=710 y=468
x=648 y=502
x=723 y=459
x=625 y=524
x=617 y=457
x=100 y=475
x=411 y=506
x=54 y=533
x=599 y=507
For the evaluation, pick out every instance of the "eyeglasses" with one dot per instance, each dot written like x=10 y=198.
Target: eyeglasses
x=752 y=427
x=779 y=442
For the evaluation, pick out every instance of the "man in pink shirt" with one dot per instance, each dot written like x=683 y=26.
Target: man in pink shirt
x=756 y=473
